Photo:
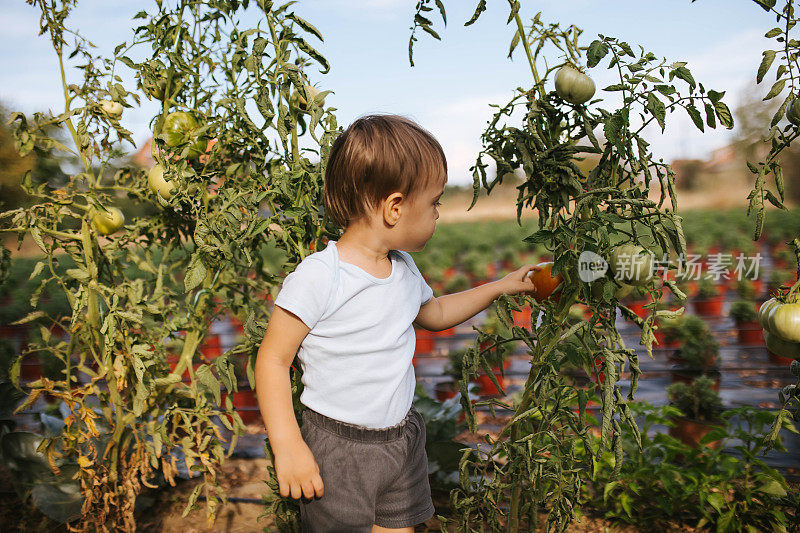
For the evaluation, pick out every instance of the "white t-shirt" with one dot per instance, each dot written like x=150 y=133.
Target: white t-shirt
x=356 y=359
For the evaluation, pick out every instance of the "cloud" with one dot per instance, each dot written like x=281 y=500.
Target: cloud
x=458 y=125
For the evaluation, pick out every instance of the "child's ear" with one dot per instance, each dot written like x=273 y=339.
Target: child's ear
x=392 y=207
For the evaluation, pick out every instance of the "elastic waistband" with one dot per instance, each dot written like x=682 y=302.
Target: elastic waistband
x=353 y=431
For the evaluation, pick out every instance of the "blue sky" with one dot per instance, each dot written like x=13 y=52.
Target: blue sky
x=453 y=80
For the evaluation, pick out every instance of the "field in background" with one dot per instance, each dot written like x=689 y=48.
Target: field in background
x=501 y=203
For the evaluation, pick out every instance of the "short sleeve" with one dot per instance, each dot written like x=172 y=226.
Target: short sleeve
x=425 y=291
x=305 y=292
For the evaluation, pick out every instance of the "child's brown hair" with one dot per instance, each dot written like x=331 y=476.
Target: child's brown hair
x=375 y=156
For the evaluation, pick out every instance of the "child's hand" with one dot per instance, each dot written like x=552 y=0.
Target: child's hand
x=298 y=473
x=520 y=280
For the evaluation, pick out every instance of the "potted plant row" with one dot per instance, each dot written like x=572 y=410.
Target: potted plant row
x=745 y=316
x=701 y=406
x=697 y=352
x=710 y=298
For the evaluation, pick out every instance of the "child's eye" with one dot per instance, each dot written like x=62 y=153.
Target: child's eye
x=437 y=203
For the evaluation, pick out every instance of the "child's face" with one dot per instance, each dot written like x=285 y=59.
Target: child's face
x=418 y=221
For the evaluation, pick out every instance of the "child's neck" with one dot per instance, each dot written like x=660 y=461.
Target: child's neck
x=363 y=248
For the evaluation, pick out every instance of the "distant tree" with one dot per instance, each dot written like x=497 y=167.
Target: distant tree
x=44 y=166
x=753 y=116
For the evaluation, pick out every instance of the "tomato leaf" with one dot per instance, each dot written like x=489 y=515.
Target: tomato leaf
x=684 y=74
x=696 y=117
x=613 y=129
x=307 y=26
x=776 y=89
x=657 y=108
x=195 y=273
x=597 y=51
x=766 y=63
x=779 y=114
x=710 y=115
x=724 y=114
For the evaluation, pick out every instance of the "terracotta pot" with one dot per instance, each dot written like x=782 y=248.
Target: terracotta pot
x=449 y=332
x=445 y=390
x=237 y=325
x=598 y=376
x=211 y=347
x=425 y=342
x=710 y=306
x=690 y=431
x=758 y=285
x=666 y=342
x=779 y=359
x=749 y=333
x=487 y=388
x=637 y=306
x=246 y=404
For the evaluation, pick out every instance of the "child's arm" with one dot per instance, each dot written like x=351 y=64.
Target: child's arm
x=296 y=469
x=453 y=309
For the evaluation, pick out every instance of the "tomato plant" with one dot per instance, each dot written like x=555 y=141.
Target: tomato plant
x=143 y=298
x=784 y=56
x=599 y=210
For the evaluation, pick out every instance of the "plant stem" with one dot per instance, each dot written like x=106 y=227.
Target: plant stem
x=524 y=39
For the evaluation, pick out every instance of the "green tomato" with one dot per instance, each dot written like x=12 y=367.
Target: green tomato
x=574 y=86
x=155 y=88
x=107 y=222
x=763 y=313
x=157 y=183
x=793 y=112
x=631 y=264
x=622 y=291
x=112 y=109
x=179 y=128
x=784 y=321
x=779 y=346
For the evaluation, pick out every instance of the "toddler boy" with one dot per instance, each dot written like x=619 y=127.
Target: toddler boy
x=358 y=459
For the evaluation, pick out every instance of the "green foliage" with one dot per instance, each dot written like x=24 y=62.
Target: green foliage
x=604 y=206
x=459 y=282
x=698 y=401
x=664 y=484
x=707 y=288
x=698 y=347
x=163 y=274
x=745 y=289
x=781 y=133
x=743 y=311
x=54 y=491
x=441 y=429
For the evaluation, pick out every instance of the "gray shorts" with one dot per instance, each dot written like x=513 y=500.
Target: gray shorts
x=370 y=476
